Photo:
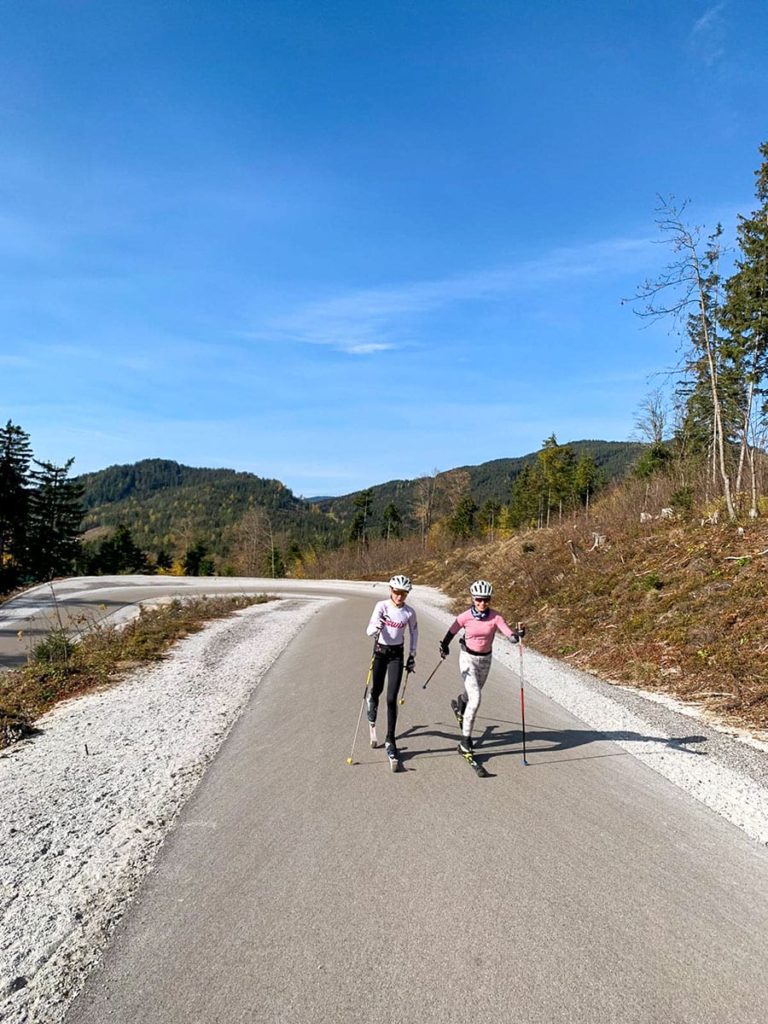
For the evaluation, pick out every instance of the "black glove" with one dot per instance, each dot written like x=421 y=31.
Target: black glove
x=515 y=637
x=520 y=630
x=410 y=665
x=444 y=648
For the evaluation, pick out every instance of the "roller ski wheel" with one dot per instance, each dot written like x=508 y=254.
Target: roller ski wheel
x=469 y=757
x=393 y=756
x=372 y=735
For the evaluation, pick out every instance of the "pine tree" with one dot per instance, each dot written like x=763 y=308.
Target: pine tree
x=392 y=521
x=746 y=317
x=526 y=504
x=462 y=523
x=193 y=560
x=118 y=554
x=558 y=463
x=55 y=513
x=15 y=456
x=359 y=529
x=488 y=517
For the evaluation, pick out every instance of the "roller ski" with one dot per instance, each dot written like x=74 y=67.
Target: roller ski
x=393 y=755
x=372 y=734
x=466 y=749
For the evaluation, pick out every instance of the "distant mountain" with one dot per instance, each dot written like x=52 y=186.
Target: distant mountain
x=492 y=479
x=171 y=506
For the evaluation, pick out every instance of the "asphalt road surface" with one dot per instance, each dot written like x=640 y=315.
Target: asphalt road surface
x=295 y=888
x=81 y=602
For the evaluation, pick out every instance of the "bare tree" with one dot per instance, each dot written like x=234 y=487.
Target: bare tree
x=688 y=289
x=423 y=504
x=255 y=542
x=652 y=416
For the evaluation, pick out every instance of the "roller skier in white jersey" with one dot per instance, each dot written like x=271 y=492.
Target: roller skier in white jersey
x=388 y=624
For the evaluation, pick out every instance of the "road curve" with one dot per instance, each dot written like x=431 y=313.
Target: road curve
x=83 y=601
x=294 y=888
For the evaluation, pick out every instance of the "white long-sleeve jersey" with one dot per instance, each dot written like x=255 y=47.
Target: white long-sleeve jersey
x=392 y=623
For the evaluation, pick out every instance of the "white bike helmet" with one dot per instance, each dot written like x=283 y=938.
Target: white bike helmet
x=400 y=583
x=481 y=588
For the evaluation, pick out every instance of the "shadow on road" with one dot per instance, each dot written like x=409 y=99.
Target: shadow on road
x=494 y=742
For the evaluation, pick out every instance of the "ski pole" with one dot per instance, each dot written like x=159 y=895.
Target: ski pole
x=522 y=693
x=405 y=684
x=437 y=666
x=365 y=694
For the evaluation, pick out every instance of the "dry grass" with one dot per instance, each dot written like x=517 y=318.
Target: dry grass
x=58 y=668
x=670 y=605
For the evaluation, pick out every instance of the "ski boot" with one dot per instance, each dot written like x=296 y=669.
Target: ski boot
x=393 y=755
x=371 y=715
x=467 y=750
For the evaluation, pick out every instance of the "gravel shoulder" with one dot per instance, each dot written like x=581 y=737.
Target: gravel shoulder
x=88 y=801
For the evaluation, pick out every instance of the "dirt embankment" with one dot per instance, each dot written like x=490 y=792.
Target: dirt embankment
x=675 y=607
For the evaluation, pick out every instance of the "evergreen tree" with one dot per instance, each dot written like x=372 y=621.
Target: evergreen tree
x=558 y=464
x=55 y=513
x=392 y=521
x=118 y=554
x=488 y=517
x=163 y=559
x=15 y=456
x=193 y=560
x=587 y=480
x=462 y=523
x=359 y=529
x=526 y=504
x=273 y=564
x=655 y=459
x=745 y=315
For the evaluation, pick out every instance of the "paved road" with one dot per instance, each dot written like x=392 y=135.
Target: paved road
x=295 y=889
x=81 y=602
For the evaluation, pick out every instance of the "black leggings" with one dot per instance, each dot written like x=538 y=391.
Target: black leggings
x=387 y=662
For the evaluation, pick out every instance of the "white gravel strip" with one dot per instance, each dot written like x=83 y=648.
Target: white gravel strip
x=86 y=805
x=726 y=770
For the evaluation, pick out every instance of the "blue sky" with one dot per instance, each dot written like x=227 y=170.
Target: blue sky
x=338 y=243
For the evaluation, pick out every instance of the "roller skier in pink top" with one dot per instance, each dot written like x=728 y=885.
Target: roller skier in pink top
x=480 y=624
x=389 y=622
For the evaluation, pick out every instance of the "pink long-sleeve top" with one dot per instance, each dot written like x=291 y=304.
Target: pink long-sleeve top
x=479 y=633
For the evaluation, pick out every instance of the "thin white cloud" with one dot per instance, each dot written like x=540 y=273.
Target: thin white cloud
x=368 y=349
x=708 y=19
x=706 y=35
x=376 y=320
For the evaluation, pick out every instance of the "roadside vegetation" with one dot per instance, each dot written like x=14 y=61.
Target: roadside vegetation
x=59 y=667
x=636 y=591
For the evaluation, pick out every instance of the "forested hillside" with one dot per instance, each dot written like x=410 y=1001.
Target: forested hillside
x=488 y=482
x=167 y=506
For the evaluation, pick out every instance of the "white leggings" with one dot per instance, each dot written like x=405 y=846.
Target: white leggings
x=474 y=670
